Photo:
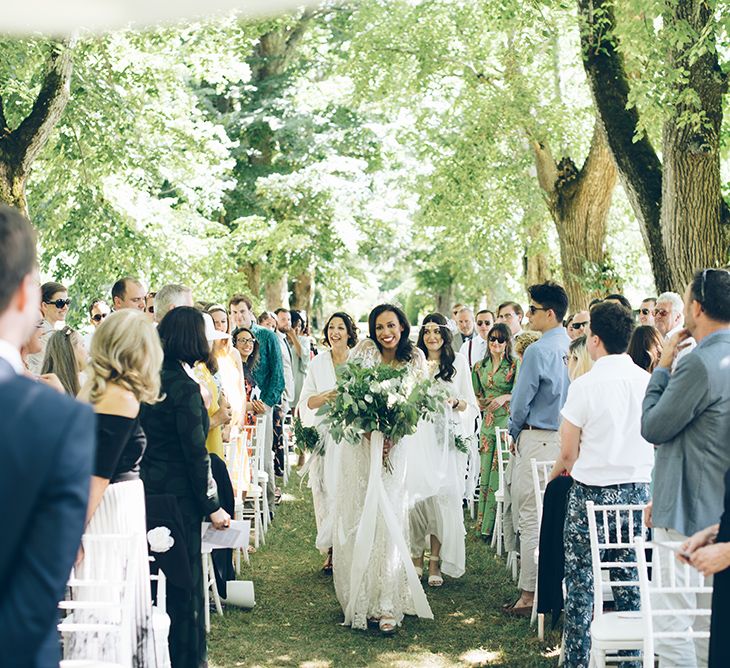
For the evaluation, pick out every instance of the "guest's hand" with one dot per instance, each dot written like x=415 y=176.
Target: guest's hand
x=647 y=515
x=672 y=347
x=498 y=402
x=258 y=406
x=711 y=559
x=220 y=519
x=387 y=446
x=696 y=541
x=51 y=379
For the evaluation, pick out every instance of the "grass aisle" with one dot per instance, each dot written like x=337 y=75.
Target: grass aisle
x=296 y=621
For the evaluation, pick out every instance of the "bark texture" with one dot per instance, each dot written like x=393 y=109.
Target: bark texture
x=276 y=294
x=579 y=201
x=20 y=146
x=302 y=292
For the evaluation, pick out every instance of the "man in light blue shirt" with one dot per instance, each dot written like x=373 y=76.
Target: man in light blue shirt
x=538 y=396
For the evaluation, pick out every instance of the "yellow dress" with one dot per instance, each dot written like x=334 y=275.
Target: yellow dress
x=214 y=442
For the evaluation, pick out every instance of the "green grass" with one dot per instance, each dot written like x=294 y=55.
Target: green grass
x=296 y=621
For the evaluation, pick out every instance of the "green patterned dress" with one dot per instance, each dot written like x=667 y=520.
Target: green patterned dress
x=488 y=385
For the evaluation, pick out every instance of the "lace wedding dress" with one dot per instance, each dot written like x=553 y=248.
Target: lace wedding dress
x=373 y=573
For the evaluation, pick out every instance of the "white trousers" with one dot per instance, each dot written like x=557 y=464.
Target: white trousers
x=679 y=652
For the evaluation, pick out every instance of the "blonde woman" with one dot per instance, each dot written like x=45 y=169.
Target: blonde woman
x=579 y=361
x=123 y=372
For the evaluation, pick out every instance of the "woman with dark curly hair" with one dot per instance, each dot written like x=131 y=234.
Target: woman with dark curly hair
x=493 y=379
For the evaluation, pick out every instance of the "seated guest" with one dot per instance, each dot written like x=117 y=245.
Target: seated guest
x=617 y=298
x=578 y=324
x=476 y=347
x=579 y=361
x=129 y=292
x=170 y=296
x=48 y=442
x=177 y=463
x=124 y=370
x=645 y=347
x=687 y=416
x=54 y=308
x=603 y=450
x=646 y=312
x=523 y=340
x=66 y=358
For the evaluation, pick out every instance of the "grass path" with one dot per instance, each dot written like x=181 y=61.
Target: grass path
x=296 y=621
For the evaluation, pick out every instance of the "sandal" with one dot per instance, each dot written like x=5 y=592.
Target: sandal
x=387 y=625
x=434 y=580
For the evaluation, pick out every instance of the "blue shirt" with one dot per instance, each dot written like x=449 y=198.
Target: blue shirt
x=269 y=372
x=542 y=384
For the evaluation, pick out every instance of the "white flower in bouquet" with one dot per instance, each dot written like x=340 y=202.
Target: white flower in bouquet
x=160 y=539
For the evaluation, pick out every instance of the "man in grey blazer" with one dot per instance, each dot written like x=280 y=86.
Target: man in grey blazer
x=686 y=414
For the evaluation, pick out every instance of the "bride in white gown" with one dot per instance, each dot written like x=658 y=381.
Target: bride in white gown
x=373 y=574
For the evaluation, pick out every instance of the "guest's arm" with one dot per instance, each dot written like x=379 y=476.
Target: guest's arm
x=524 y=391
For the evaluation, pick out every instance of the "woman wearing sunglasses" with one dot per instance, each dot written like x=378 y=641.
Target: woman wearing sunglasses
x=54 y=308
x=493 y=379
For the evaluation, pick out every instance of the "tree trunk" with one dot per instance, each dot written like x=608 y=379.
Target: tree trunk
x=691 y=194
x=252 y=271
x=579 y=202
x=444 y=302
x=536 y=260
x=303 y=292
x=277 y=293
x=19 y=147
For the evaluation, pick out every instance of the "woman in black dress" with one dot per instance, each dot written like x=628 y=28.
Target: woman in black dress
x=177 y=463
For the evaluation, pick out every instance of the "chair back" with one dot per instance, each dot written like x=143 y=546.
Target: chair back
x=540 y=475
x=259 y=441
x=503 y=453
x=611 y=528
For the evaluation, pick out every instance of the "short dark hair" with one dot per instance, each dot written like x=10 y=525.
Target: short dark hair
x=51 y=288
x=594 y=302
x=643 y=338
x=281 y=309
x=711 y=288
x=551 y=296
x=265 y=315
x=447 y=370
x=119 y=289
x=95 y=302
x=613 y=324
x=237 y=299
x=350 y=326
x=182 y=332
x=17 y=252
x=404 y=351
x=486 y=310
x=515 y=307
x=620 y=299
x=649 y=299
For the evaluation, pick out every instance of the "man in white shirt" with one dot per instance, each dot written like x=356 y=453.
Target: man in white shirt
x=611 y=464
x=511 y=314
x=476 y=347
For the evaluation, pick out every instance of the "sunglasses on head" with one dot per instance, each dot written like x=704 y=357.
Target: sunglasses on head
x=646 y=311
x=59 y=303
x=98 y=317
x=480 y=323
x=578 y=325
x=495 y=338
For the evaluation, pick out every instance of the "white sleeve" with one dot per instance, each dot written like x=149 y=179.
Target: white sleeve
x=309 y=388
x=465 y=391
x=575 y=409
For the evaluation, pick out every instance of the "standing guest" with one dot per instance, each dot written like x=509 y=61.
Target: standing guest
x=669 y=314
x=268 y=376
x=511 y=314
x=617 y=298
x=710 y=554
x=454 y=314
x=48 y=443
x=687 y=416
x=268 y=320
x=169 y=297
x=603 y=450
x=283 y=328
x=476 y=347
x=537 y=398
x=129 y=292
x=66 y=358
x=124 y=370
x=579 y=359
x=177 y=463
x=645 y=347
x=149 y=305
x=578 y=325
x=646 y=312
x=493 y=378
x=98 y=310
x=465 y=325
x=246 y=344
x=301 y=351
x=230 y=365
x=54 y=308
x=523 y=340
x=340 y=335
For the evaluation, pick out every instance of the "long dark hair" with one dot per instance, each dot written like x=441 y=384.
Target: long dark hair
x=642 y=338
x=349 y=326
x=253 y=359
x=182 y=332
x=404 y=351
x=447 y=370
x=506 y=332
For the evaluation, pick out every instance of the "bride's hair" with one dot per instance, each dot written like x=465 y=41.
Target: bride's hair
x=404 y=351
x=447 y=370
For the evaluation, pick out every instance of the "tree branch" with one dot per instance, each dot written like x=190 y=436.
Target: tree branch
x=547 y=170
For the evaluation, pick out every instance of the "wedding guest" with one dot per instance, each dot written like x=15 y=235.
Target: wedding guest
x=230 y=365
x=247 y=345
x=66 y=358
x=177 y=463
x=645 y=347
x=123 y=372
x=476 y=347
x=493 y=379
x=98 y=310
x=54 y=308
x=579 y=360
x=48 y=442
x=646 y=312
x=687 y=416
x=669 y=314
x=523 y=340
x=537 y=398
x=169 y=297
x=268 y=320
x=435 y=478
x=283 y=328
x=340 y=335
x=149 y=305
x=129 y=292
x=465 y=325
x=301 y=351
x=617 y=298
x=578 y=325
x=511 y=314
x=603 y=450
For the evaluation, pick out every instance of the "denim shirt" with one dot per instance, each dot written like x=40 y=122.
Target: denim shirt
x=542 y=384
x=269 y=372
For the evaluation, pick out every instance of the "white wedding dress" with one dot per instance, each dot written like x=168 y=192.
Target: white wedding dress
x=373 y=573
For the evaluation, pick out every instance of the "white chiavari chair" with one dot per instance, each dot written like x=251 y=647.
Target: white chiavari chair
x=503 y=455
x=540 y=475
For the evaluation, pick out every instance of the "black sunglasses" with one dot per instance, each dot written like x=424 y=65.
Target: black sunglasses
x=98 y=317
x=578 y=325
x=484 y=322
x=646 y=311
x=534 y=309
x=497 y=339
x=58 y=303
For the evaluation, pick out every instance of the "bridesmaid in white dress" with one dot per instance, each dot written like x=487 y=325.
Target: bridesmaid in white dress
x=374 y=576
x=436 y=469
x=340 y=334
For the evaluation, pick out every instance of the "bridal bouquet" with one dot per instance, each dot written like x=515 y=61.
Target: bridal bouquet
x=381 y=398
x=306 y=438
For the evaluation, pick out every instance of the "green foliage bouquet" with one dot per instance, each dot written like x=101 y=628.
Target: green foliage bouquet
x=306 y=438
x=381 y=398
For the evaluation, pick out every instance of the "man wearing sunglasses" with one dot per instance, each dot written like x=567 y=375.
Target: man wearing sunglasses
x=646 y=312
x=579 y=325
x=47 y=448
x=476 y=347
x=537 y=398
x=98 y=311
